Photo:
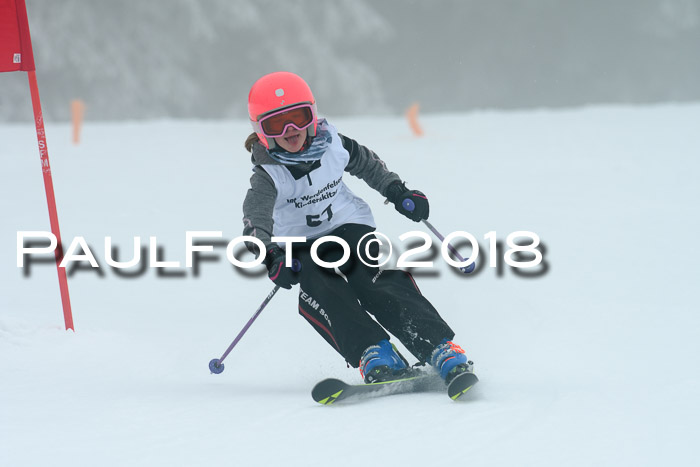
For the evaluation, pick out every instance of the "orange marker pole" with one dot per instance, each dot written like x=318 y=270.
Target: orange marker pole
x=77 y=110
x=412 y=116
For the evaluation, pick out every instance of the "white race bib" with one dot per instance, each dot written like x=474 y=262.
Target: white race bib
x=316 y=204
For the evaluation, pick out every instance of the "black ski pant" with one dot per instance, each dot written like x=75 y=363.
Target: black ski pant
x=340 y=308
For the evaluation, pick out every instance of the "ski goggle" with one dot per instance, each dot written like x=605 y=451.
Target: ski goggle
x=274 y=125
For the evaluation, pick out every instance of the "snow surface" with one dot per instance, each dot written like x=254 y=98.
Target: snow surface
x=592 y=362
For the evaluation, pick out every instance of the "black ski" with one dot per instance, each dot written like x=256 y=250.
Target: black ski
x=332 y=390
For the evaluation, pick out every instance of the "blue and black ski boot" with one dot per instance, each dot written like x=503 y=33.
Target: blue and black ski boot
x=381 y=362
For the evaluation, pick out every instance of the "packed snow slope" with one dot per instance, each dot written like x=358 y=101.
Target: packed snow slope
x=588 y=359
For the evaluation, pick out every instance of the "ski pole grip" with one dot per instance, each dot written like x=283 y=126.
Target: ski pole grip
x=408 y=204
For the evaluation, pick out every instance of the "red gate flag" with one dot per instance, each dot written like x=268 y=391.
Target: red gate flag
x=16 y=55
x=15 y=43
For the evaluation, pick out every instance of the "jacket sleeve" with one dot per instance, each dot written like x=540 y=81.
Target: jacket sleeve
x=258 y=206
x=367 y=165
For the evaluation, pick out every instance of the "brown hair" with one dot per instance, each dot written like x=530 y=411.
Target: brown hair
x=250 y=140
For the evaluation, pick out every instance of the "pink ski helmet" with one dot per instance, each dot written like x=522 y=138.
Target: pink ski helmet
x=271 y=96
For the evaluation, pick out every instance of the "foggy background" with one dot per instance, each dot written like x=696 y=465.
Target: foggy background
x=134 y=59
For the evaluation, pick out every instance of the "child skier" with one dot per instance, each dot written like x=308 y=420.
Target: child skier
x=297 y=189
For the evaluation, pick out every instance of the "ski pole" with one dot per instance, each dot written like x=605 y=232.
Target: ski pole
x=409 y=206
x=216 y=365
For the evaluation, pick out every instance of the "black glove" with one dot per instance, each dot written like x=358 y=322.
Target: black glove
x=411 y=203
x=277 y=272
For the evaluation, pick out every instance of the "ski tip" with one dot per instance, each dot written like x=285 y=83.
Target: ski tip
x=461 y=385
x=328 y=391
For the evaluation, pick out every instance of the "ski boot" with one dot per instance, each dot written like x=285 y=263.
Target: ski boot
x=381 y=362
x=450 y=360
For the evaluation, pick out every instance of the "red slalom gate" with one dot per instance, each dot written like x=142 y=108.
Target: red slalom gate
x=16 y=55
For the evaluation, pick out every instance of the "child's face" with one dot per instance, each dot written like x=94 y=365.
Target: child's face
x=292 y=140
